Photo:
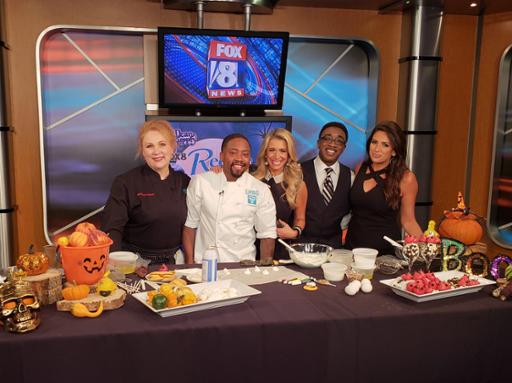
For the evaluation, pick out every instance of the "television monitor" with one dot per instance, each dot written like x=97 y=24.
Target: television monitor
x=199 y=139
x=210 y=70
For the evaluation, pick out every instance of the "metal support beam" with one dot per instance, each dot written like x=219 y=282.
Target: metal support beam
x=200 y=14
x=6 y=208
x=247 y=18
x=419 y=62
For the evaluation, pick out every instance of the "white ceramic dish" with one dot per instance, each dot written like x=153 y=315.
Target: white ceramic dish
x=192 y=275
x=399 y=289
x=244 y=292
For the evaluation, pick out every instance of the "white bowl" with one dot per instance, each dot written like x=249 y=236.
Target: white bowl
x=309 y=255
x=124 y=261
x=344 y=256
x=334 y=272
x=367 y=272
x=364 y=256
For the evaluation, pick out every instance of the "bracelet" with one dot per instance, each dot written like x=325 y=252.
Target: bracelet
x=298 y=230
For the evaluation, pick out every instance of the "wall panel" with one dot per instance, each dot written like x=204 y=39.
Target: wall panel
x=453 y=111
x=496 y=37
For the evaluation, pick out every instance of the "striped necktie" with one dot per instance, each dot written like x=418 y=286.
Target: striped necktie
x=328 y=188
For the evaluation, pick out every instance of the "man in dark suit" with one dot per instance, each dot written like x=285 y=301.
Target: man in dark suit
x=328 y=183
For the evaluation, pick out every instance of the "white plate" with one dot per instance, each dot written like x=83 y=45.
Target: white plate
x=244 y=292
x=192 y=275
x=399 y=289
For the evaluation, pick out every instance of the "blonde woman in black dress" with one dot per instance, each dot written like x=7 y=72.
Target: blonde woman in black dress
x=277 y=166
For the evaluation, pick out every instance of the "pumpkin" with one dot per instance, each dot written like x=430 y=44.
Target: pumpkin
x=78 y=239
x=85 y=227
x=75 y=292
x=85 y=265
x=461 y=226
x=33 y=263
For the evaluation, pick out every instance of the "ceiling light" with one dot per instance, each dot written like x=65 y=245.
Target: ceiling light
x=473 y=5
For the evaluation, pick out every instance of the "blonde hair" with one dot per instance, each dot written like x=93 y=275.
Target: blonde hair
x=292 y=173
x=160 y=126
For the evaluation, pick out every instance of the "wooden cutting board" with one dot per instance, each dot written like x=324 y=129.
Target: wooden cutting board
x=92 y=301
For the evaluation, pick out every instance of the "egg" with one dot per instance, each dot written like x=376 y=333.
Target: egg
x=356 y=283
x=353 y=287
x=351 y=290
x=366 y=286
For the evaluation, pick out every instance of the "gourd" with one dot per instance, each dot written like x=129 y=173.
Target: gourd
x=79 y=310
x=75 y=292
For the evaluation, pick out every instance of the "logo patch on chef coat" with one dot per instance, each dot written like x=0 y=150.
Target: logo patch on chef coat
x=252 y=197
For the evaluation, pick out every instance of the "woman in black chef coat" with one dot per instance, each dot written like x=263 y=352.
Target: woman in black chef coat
x=146 y=209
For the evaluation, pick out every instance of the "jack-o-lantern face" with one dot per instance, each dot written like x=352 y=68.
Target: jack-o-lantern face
x=84 y=265
x=94 y=265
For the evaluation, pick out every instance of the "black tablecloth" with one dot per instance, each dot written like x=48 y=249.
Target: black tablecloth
x=285 y=334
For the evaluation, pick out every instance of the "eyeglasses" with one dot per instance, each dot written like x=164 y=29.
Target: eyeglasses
x=337 y=141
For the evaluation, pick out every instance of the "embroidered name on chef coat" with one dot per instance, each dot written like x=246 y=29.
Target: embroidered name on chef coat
x=252 y=197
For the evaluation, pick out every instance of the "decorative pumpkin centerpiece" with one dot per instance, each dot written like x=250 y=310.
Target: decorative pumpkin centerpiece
x=84 y=254
x=460 y=224
x=33 y=262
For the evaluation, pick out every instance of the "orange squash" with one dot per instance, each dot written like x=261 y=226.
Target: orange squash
x=75 y=292
x=461 y=226
x=78 y=239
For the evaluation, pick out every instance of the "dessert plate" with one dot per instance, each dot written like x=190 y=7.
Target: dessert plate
x=398 y=287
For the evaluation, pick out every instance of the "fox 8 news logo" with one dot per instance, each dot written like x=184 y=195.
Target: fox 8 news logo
x=224 y=64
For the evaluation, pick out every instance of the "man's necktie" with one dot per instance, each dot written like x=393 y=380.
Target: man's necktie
x=328 y=188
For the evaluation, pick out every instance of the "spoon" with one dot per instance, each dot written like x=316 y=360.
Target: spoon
x=285 y=244
x=394 y=243
x=324 y=282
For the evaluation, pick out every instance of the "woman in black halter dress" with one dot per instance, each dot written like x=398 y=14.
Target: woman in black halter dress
x=384 y=192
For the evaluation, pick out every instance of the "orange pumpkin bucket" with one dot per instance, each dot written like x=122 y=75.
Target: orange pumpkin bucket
x=85 y=265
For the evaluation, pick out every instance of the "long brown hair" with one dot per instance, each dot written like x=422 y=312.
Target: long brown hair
x=292 y=173
x=397 y=167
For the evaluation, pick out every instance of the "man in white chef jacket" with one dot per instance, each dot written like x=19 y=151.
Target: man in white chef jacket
x=230 y=209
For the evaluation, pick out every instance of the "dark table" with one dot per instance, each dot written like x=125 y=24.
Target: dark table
x=285 y=334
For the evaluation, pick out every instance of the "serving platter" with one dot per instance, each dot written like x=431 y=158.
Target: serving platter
x=243 y=292
x=398 y=287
